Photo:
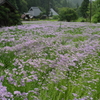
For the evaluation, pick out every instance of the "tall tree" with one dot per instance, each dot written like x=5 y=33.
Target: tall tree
x=13 y=2
x=84 y=8
x=9 y=17
x=21 y=5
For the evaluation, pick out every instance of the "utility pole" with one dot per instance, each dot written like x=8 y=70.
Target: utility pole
x=90 y=10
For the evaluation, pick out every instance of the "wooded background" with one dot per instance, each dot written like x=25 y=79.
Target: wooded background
x=24 y=5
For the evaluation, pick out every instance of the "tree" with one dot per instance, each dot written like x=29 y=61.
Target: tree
x=13 y=2
x=96 y=11
x=84 y=8
x=24 y=5
x=96 y=17
x=21 y=5
x=67 y=14
x=95 y=6
x=8 y=18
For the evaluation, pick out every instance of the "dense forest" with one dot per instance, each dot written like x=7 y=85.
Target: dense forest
x=24 y=5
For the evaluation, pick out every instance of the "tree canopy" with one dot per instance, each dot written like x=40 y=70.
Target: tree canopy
x=67 y=14
x=8 y=18
x=24 y=5
x=84 y=8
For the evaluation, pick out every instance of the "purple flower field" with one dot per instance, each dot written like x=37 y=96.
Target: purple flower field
x=43 y=60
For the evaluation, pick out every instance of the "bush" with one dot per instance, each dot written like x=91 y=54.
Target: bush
x=55 y=16
x=67 y=14
x=81 y=19
x=96 y=18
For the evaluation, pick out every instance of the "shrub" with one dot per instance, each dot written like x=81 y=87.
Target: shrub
x=81 y=19
x=96 y=18
x=67 y=14
x=55 y=16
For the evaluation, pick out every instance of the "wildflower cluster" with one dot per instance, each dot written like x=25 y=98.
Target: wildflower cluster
x=39 y=61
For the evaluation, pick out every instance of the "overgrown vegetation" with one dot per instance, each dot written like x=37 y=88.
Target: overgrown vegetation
x=45 y=60
x=96 y=16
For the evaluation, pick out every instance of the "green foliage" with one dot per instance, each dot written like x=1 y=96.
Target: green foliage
x=7 y=58
x=81 y=19
x=55 y=16
x=24 y=5
x=67 y=14
x=96 y=18
x=97 y=2
x=93 y=8
x=21 y=5
x=84 y=8
x=8 y=17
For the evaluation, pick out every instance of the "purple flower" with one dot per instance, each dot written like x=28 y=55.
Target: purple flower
x=29 y=80
x=17 y=92
x=2 y=78
x=1 y=64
